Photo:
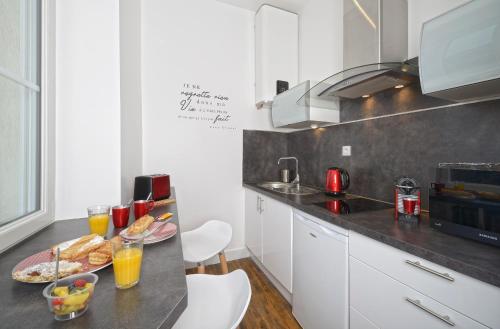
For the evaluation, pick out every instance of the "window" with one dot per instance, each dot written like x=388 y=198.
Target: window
x=19 y=109
x=26 y=148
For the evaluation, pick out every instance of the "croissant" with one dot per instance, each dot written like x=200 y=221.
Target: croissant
x=81 y=247
x=102 y=255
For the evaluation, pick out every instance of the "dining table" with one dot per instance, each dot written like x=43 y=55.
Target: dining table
x=156 y=301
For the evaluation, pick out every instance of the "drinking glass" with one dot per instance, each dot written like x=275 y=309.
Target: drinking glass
x=98 y=219
x=127 y=261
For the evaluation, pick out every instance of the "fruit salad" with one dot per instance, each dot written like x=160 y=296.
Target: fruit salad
x=73 y=298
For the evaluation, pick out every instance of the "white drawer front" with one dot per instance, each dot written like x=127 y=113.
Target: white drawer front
x=390 y=304
x=359 y=321
x=469 y=296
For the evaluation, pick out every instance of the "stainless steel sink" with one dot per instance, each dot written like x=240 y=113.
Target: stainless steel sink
x=275 y=185
x=288 y=188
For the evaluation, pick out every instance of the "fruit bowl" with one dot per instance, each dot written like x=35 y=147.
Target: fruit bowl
x=71 y=297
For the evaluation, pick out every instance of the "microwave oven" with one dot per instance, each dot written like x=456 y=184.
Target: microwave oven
x=464 y=200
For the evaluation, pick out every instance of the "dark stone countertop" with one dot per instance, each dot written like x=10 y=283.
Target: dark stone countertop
x=477 y=260
x=156 y=301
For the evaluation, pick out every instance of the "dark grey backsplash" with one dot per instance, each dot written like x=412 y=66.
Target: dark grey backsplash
x=382 y=149
x=261 y=151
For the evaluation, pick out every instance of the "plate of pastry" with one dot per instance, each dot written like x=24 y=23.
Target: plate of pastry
x=152 y=229
x=85 y=254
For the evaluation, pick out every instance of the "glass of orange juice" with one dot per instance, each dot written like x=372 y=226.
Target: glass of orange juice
x=127 y=260
x=98 y=219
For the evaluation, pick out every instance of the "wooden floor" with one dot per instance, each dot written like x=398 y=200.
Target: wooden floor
x=268 y=309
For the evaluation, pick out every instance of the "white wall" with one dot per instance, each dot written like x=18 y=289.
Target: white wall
x=421 y=11
x=290 y=5
x=87 y=106
x=211 y=44
x=130 y=96
x=320 y=39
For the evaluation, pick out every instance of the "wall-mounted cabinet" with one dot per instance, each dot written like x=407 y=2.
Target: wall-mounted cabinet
x=460 y=53
x=276 y=51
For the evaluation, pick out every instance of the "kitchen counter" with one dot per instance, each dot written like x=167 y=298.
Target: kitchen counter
x=468 y=257
x=157 y=301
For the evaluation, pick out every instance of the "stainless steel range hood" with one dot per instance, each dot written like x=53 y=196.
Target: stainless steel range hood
x=374 y=51
x=361 y=81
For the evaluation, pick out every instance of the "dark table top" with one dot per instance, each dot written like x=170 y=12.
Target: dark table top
x=156 y=301
x=468 y=257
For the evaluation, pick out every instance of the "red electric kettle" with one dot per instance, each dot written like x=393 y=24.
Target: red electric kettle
x=337 y=181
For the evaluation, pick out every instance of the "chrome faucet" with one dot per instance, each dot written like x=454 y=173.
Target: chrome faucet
x=296 y=180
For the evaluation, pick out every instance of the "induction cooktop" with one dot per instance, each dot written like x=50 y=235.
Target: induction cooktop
x=355 y=205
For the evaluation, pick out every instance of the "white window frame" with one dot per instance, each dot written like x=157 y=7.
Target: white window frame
x=20 y=229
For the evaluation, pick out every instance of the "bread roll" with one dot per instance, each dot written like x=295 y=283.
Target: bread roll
x=140 y=225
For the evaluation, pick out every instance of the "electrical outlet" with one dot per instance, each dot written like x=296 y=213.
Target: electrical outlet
x=346 y=151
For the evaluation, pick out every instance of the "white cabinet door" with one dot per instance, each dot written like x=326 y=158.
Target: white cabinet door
x=277 y=240
x=253 y=224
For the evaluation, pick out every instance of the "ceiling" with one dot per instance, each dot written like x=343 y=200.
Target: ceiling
x=253 y=5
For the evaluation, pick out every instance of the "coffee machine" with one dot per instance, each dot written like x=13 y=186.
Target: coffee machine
x=407 y=201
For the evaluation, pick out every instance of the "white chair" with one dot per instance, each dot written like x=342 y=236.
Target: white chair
x=215 y=301
x=205 y=242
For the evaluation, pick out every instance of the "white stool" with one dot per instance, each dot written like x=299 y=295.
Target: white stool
x=215 y=301
x=205 y=242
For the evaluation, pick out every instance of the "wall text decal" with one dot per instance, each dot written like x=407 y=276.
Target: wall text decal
x=199 y=104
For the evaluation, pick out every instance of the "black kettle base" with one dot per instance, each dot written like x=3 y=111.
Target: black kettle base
x=335 y=194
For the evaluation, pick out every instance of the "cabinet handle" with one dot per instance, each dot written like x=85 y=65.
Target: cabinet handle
x=314 y=236
x=430 y=270
x=444 y=318
x=261 y=210
x=258 y=203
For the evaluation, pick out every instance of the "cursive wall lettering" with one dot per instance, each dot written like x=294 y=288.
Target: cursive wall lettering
x=204 y=106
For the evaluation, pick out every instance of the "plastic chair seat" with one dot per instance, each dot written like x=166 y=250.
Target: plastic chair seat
x=206 y=241
x=215 y=301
